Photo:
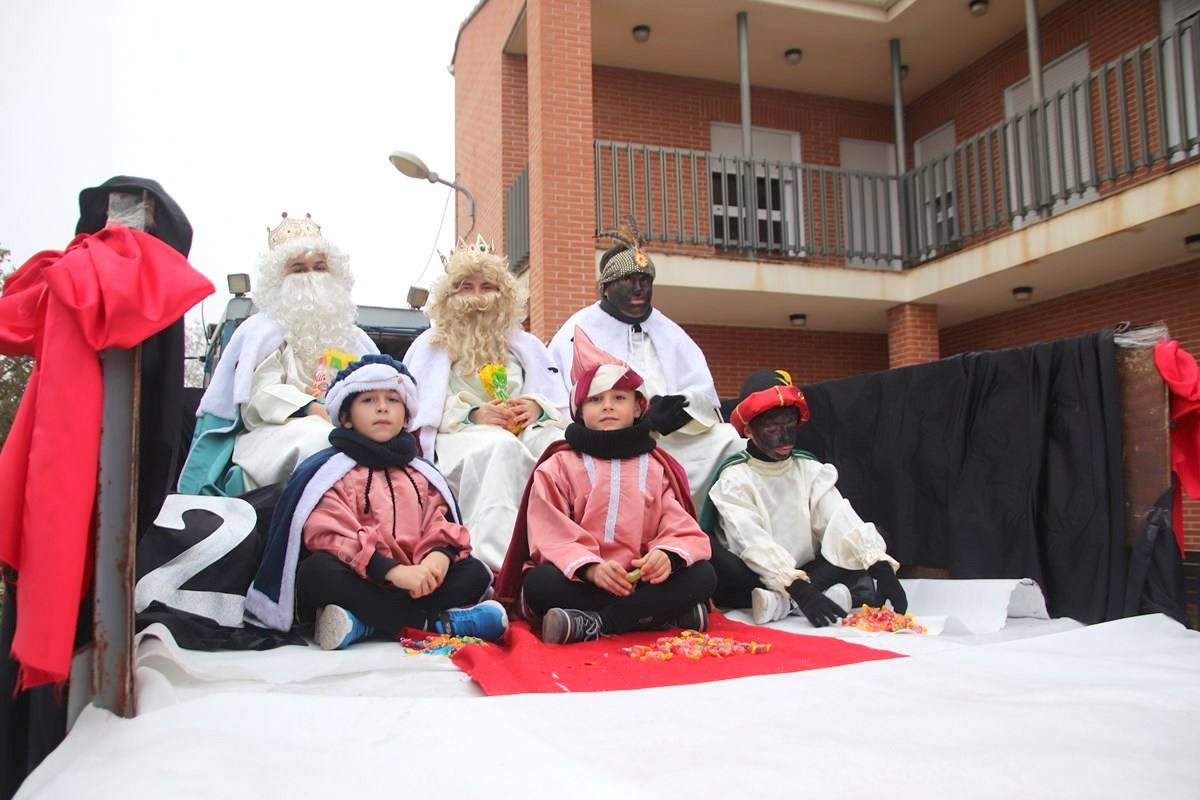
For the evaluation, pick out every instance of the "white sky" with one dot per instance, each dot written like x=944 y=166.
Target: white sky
x=240 y=110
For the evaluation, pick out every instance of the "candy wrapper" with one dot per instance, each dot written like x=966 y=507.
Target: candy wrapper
x=332 y=362
x=494 y=378
x=882 y=620
x=694 y=645
x=437 y=644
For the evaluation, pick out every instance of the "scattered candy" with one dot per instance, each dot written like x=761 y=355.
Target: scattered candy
x=694 y=645
x=882 y=620
x=437 y=644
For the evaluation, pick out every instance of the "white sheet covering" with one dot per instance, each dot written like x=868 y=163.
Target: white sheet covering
x=1109 y=710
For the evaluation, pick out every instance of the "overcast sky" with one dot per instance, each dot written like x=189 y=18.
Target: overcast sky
x=241 y=110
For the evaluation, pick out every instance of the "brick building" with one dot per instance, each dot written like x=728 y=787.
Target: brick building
x=1017 y=212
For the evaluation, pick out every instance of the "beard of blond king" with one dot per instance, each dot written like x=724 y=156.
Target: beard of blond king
x=474 y=330
x=316 y=313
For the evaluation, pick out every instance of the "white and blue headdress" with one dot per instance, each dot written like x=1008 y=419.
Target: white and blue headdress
x=367 y=374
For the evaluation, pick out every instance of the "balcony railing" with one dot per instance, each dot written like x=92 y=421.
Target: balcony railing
x=1131 y=116
x=516 y=220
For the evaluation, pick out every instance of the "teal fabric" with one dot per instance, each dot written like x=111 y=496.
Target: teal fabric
x=209 y=469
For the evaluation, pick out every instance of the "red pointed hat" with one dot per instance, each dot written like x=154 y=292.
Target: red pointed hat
x=764 y=390
x=594 y=370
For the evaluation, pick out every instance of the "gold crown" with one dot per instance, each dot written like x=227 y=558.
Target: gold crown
x=481 y=247
x=290 y=228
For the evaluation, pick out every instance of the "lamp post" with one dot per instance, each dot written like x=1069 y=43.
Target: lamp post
x=414 y=167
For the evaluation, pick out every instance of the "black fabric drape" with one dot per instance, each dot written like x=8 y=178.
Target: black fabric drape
x=1156 y=584
x=990 y=465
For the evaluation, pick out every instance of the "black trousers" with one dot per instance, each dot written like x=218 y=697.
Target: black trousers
x=735 y=580
x=323 y=580
x=650 y=605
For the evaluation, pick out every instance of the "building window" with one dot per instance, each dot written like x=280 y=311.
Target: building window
x=1040 y=154
x=756 y=203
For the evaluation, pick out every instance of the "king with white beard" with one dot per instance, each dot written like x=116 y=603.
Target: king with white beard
x=262 y=413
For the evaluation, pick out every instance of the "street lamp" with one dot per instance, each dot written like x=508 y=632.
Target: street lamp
x=414 y=167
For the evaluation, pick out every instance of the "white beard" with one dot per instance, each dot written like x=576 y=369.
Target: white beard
x=316 y=313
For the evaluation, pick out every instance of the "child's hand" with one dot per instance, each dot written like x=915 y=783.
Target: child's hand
x=655 y=566
x=525 y=411
x=317 y=409
x=494 y=412
x=609 y=576
x=417 y=580
x=437 y=562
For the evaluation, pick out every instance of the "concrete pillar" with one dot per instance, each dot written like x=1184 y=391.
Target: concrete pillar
x=562 y=181
x=912 y=335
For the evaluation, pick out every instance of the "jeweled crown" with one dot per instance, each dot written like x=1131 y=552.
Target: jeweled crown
x=481 y=247
x=291 y=228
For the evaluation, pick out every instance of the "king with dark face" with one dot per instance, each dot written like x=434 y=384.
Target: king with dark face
x=631 y=295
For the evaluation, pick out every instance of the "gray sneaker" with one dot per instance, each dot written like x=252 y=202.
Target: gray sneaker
x=694 y=619
x=568 y=625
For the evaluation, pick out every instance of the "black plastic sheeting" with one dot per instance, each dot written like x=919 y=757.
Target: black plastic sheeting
x=1002 y=464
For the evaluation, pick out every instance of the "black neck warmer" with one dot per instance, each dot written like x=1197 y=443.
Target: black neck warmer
x=374 y=455
x=623 y=443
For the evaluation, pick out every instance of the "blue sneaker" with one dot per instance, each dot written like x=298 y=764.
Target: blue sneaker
x=487 y=621
x=337 y=628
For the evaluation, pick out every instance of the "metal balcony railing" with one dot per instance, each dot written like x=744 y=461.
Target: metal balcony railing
x=1131 y=116
x=516 y=220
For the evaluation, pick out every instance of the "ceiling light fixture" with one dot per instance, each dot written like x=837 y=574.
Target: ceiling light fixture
x=1192 y=243
x=798 y=320
x=978 y=7
x=1022 y=294
x=641 y=33
x=793 y=55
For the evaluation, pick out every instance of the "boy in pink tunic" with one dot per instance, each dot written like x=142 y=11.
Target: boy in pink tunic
x=608 y=542
x=387 y=549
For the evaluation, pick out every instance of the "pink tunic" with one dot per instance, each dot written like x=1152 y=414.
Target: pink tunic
x=583 y=510
x=339 y=526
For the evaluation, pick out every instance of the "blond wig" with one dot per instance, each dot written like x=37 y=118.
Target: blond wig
x=474 y=329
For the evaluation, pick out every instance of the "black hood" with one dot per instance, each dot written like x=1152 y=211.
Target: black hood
x=170 y=223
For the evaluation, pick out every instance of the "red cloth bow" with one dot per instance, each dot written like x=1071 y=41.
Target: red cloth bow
x=114 y=288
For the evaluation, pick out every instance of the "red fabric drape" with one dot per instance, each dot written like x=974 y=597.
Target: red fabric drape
x=523 y=663
x=1182 y=374
x=114 y=288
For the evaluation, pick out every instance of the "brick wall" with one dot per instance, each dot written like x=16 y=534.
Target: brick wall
x=1170 y=295
x=653 y=108
x=561 y=176
x=973 y=98
x=912 y=335
x=810 y=356
x=478 y=95
x=514 y=99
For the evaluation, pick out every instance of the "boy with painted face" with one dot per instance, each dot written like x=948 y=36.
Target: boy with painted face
x=606 y=542
x=784 y=539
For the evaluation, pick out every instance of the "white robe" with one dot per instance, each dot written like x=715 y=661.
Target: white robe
x=275 y=442
x=775 y=514
x=486 y=466
x=670 y=363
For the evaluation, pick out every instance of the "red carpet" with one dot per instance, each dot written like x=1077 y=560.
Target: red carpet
x=522 y=663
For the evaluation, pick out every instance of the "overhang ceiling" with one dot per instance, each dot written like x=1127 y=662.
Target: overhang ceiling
x=844 y=42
